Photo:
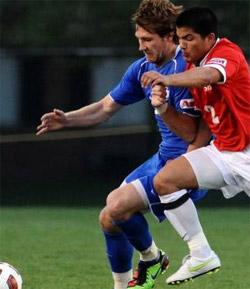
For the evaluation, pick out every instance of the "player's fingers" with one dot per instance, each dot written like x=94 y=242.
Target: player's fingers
x=146 y=79
x=42 y=131
x=160 y=94
x=150 y=78
x=58 y=112
x=46 y=122
x=159 y=89
x=39 y=126
x=156 y=101
x=157 y=81
x=146 y=82
x=47 y=116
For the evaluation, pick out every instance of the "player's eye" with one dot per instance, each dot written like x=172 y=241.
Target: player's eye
x=189 y=38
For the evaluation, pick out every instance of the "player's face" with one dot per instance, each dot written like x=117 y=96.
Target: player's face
x=194 y=46
x=152 y=45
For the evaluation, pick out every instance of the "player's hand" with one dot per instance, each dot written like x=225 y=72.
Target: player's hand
x=158 y=95
x=153 y=78
x=52 y=121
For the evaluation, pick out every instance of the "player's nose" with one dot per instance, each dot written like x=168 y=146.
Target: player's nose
x=142 y=47
x=182 y=44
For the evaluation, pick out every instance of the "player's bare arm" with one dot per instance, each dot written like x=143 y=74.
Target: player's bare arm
x=202 y=138
x=89 y=115
x=196 y=77
x=181 y=124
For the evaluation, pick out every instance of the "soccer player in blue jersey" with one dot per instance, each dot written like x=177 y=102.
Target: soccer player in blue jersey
x=124 y=226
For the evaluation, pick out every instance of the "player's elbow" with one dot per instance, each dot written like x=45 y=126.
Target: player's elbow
x=109 y=107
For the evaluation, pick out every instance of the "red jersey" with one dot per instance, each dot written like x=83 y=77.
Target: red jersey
x=225 y=106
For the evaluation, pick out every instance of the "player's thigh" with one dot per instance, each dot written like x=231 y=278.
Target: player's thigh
x=125 y=201
x=208 y=174
x=175 y=175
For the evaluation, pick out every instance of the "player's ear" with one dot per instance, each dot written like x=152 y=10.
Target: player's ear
x=211 y=37
x=170 y=36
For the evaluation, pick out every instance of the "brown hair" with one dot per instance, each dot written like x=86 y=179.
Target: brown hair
x=157 y=16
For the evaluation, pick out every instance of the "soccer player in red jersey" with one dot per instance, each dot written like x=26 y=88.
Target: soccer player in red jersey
x=218 y=76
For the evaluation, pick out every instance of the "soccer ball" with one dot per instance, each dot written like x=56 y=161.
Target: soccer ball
x=9 y=277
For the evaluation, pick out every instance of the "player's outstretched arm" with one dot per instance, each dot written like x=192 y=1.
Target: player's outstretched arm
x=89 y=115
x=195 y=77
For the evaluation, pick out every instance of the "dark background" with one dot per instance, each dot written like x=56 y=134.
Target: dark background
x=67 y=54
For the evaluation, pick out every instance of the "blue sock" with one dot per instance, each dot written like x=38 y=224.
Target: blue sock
x=119 y=252
x=137 y=231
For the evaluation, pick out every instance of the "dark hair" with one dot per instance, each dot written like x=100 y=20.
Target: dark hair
x=157 y=16
x=201 y=20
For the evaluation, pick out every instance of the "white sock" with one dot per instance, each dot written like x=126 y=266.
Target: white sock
x=199 y=247
x=121 y=279
x=184 y=218
x=186 y=222
x=151 y=253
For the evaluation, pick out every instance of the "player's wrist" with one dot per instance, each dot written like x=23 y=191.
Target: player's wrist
x=161 y=108
x=68 y=120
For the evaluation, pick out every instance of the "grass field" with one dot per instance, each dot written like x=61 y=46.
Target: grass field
x=63 y=248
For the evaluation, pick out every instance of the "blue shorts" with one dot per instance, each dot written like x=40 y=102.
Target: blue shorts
x=144 y=174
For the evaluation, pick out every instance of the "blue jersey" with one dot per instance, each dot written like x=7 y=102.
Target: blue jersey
x=129 y=90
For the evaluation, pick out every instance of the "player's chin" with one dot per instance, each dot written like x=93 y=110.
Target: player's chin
x=188 y=57
x=150 y=58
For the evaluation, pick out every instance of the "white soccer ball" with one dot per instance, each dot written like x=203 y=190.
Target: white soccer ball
x=9 y=277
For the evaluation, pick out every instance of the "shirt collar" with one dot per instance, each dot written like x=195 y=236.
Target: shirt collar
x=178 y=49
x=205 y=58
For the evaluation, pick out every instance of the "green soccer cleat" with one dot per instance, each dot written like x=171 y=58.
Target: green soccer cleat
x=146 y=273
x=193 y=267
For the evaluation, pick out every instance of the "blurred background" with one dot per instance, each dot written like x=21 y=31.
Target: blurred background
x=67 y=54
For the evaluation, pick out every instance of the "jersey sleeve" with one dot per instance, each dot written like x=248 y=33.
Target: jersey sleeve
x=129 y=89
x=227 y=61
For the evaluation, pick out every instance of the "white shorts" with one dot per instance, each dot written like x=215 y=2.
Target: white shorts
x=228 y=171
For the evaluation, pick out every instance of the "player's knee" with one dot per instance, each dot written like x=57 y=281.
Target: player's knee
x=105 y=221
x=161 y=185
x=115 y=208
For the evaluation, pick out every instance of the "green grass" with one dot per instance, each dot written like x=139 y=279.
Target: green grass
x=64 y=248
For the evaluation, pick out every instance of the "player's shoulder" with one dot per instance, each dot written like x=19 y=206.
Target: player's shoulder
x=225 y=45
x=223 y=52
x=139 y=65
x=139 y=62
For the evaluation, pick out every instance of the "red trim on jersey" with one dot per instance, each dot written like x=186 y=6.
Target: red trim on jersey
x=226 y=106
